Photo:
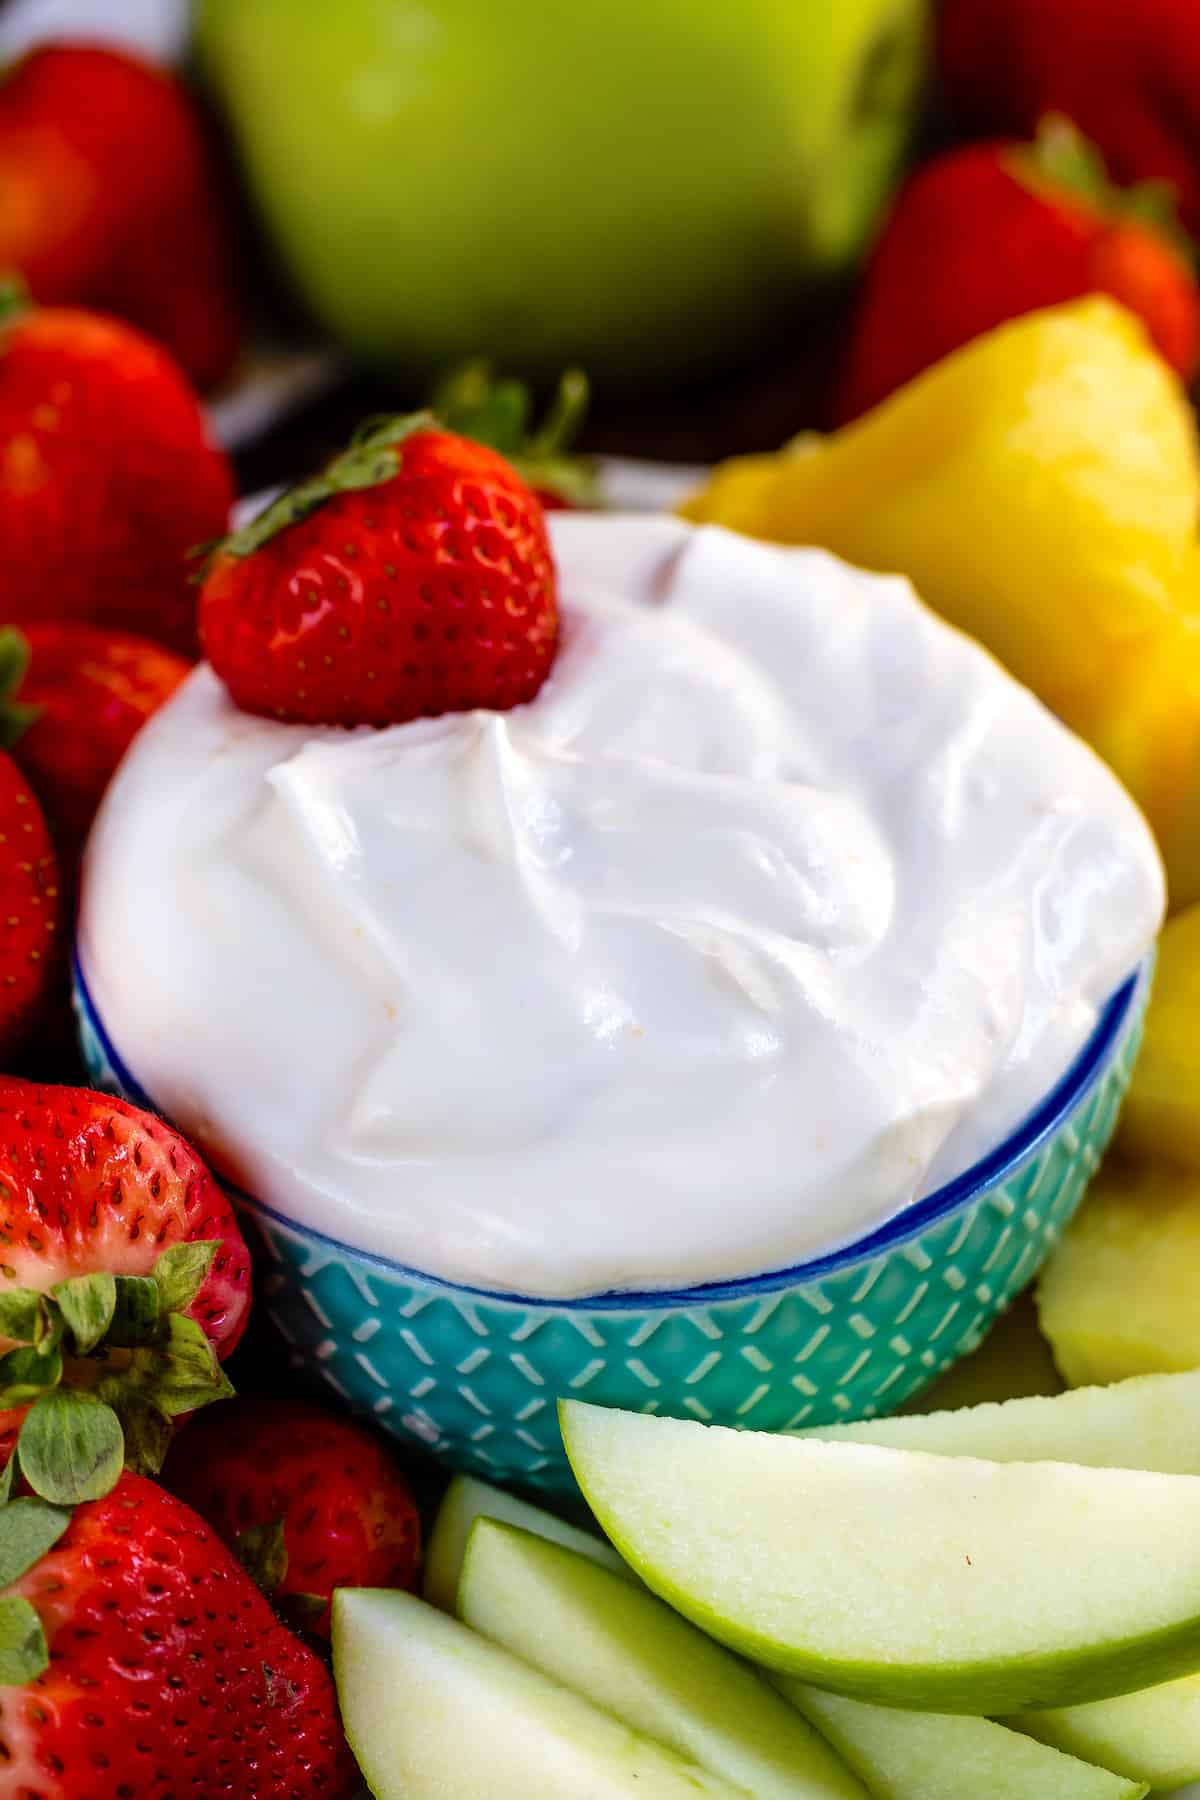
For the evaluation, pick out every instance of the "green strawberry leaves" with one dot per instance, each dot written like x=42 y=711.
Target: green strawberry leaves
x=373 y=457
x=498 y=412
x=25 y=1318
x=469 y=402
x=23 y=1650
x=71 y=1448
x=87 y=1304
x=147 y=1434
x=26 y=1373
x=28 y=1528
x=1061 y=160
x=263 y=1554
x=175 y=1374
x=105 y=1364
x=135 y=1317
x=181 y=1272
x=15 y=716
x=14 y=297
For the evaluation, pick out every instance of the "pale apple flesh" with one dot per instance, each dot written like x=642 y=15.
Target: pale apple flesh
x=467 y=1499
x=945 y=1583
x=1155 y=1733
x=1146 y=1422
x=947 y=1756
x=612 y=1641
x=433 y=1712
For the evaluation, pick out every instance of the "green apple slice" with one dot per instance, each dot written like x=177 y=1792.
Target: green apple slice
x=468 y=1499
x=944 y=1756
x=628 y=1653
x=895 y=1576
x=1155 y=1734
x=433 y=1712
x=1147 y=1422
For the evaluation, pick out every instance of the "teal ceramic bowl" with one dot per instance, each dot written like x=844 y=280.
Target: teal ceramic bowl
x=474 y=1376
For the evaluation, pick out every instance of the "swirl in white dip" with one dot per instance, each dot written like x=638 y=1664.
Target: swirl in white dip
x=781 y=904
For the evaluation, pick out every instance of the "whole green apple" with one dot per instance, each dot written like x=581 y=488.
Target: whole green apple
x=641 y=185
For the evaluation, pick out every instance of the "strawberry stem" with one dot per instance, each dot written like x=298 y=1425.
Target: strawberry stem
x=15 y=716
x=105 y=1364
x=1062 y=161
x=564 y=420
x=373 y=456
x=14 y=298
x=262 y=1552
x=475 y=404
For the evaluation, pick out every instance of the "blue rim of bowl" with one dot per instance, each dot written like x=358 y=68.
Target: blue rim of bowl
x=907 y=1224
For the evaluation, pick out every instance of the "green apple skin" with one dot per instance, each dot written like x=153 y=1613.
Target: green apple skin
x=640 y=185
x=431 y=1710
x=945 y=1756
x=632 y=1656
x=467 y=1499
x=1145 y=1422
x=941 y=1583
x=1154 y=1734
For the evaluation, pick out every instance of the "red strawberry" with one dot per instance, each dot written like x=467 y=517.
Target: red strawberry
x=107 y=477
x=471 y=402
x=1126 y=71
x=76 y=697
x=123 y=1278
x=984 y=233
x=167 y=1673
x=414 y=577
x=30 y=908
x=110 y=198
x=310 y=1502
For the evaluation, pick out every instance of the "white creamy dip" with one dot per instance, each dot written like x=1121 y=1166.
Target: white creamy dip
x=780 y=905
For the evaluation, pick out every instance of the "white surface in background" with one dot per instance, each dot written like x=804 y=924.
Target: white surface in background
x=158 y=28
x=273 y=384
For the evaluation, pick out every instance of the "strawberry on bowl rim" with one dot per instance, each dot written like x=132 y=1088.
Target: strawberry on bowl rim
x=411 y=577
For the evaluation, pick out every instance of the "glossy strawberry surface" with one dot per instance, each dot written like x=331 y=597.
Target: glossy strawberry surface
x=30 y=908
x=347 y=1512
x=169 y=1676
x=428 y=589
x=91 y=690
x=112 y=196
x=107 y=478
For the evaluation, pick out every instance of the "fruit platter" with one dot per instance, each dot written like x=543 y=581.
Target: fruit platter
x=600 y=877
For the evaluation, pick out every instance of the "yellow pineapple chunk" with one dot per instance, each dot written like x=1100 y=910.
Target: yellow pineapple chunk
x=1041 y=489
x=1162 y=1112
x=1121 y=1293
